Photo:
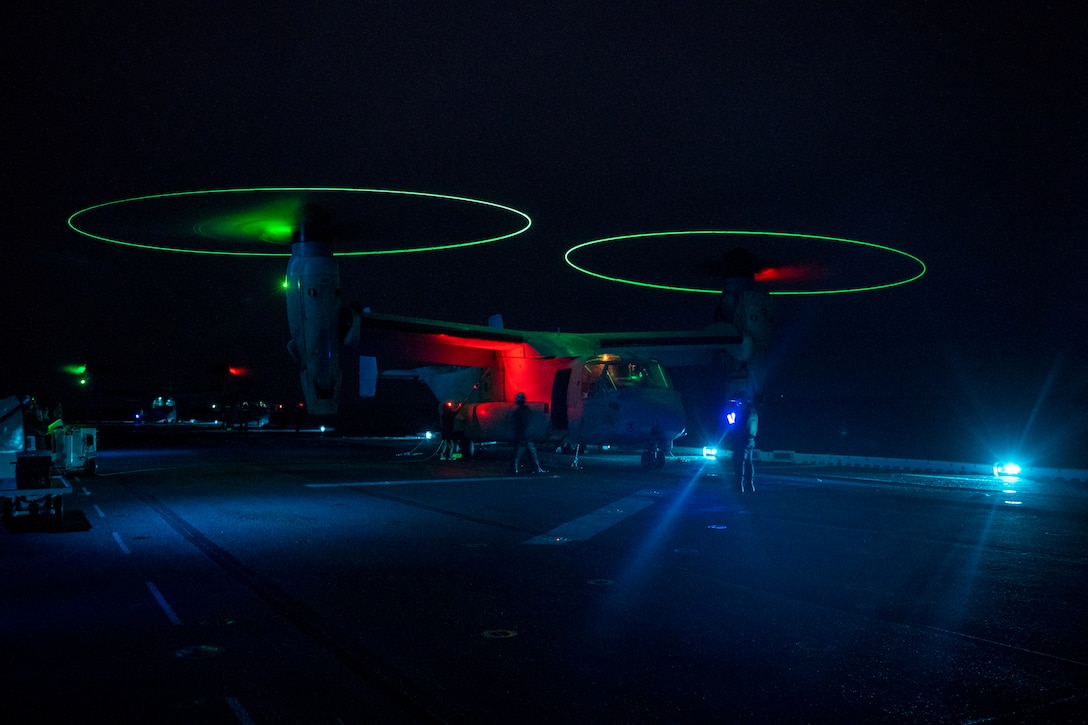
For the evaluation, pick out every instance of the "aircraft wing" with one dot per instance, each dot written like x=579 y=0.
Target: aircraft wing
x=678 y=348
x=409 y=341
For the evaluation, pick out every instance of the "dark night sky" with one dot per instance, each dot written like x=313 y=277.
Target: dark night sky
x=955 y=131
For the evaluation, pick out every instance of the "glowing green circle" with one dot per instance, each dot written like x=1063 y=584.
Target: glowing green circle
x=274 y=231
x=673 y=288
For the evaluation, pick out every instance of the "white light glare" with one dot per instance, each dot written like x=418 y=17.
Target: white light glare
x=710 y=452
x=1007 y=468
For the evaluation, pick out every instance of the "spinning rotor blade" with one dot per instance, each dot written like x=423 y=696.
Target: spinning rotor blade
x=282 y=221
x=791 y=273
x=275 y=222
x=317 y=223
x=740 y=263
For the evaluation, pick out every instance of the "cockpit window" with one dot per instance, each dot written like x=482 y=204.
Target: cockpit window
x=591 y=378
x=612 y=373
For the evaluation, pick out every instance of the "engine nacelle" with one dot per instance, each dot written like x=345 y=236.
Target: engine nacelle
x=313 y=317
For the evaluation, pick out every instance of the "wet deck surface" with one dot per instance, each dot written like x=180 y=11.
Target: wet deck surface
x=298 y=579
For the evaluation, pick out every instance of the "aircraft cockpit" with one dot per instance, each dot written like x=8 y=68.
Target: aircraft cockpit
x=607 y=373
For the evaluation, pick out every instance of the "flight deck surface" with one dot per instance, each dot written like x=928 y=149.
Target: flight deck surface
x=282 y=578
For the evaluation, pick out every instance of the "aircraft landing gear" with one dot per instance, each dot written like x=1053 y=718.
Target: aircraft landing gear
x=577 y=448
x=654 y=459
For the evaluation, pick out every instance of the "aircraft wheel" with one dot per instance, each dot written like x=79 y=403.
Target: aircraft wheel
x=659 y=460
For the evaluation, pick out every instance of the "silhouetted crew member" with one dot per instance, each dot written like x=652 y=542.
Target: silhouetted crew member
x=34 y=425
x=522 y=416
x=449 y=433
x=742 y=441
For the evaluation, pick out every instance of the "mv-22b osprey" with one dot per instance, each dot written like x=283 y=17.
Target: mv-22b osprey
x=584 y=389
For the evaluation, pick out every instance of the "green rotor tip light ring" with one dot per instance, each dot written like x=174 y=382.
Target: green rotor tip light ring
x=301 y=189
x=673 y=288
